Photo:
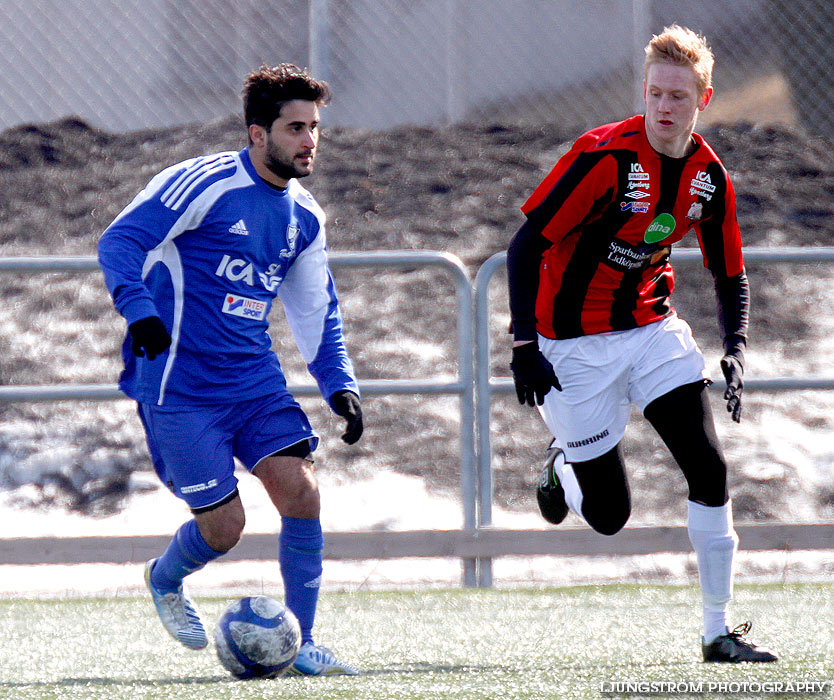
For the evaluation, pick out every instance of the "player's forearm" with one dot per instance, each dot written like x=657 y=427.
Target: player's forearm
x=733 y=295
x=524 y=256
x=333 y=370
x=121 y=259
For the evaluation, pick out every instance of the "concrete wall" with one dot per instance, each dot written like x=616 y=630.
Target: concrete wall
x=134 y=64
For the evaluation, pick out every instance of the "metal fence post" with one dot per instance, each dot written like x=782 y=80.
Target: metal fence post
x=319 y=38
x=484 y=399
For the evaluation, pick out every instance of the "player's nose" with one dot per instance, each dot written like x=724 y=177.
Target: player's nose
x=664 y=104
x=310 y=139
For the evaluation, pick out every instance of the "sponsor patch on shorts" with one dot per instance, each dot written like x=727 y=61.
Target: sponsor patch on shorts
x=194 y=488
x=244 y=307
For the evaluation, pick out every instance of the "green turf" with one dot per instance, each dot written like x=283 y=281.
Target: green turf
x=482 y=644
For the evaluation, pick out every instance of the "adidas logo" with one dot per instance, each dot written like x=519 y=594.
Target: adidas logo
x=239 y=228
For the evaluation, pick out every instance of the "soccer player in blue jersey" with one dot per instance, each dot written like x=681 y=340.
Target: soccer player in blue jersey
x=193 y=263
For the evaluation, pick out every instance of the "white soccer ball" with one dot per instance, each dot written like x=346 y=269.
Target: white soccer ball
x=257 y=637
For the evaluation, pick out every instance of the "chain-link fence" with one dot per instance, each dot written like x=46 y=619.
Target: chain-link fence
x=132 y=64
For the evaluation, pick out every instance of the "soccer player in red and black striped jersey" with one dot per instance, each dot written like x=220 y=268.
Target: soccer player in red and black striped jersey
x=590 y=281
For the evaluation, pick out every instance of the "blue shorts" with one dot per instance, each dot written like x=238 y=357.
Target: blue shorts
x=193 y=447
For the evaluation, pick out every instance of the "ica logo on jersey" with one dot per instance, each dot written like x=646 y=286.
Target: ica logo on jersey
x=637 y=172
x=236 y=270
x=637 y=178
x=702 y=185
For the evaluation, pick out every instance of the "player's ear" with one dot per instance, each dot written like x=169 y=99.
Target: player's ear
x=258 y=135
x=705 y=99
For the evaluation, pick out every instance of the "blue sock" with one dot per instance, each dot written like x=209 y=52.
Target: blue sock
x=187 y=553
x=301 y=543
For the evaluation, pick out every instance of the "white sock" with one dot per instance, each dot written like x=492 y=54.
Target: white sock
x=715 y=624
x=715 y=542
x=567 y=477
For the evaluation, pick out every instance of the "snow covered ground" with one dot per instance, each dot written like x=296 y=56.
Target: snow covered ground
x=347 y=505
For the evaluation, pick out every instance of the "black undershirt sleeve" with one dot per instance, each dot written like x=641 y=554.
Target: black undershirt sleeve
x=524 y=256
x=733 y=294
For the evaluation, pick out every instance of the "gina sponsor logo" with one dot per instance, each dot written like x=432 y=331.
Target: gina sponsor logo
x=662 y=227
x=244 y=307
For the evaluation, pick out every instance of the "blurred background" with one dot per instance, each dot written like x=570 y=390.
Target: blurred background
x=136 y=64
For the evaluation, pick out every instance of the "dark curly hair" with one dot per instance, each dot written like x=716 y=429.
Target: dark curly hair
x=267 y=89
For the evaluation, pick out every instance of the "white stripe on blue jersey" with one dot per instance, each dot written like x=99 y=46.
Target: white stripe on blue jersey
x=184 y=185
x=168 y=256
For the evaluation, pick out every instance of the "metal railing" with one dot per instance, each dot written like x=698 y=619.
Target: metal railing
x=478 y=542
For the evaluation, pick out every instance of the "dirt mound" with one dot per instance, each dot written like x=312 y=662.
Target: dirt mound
x=453 y=189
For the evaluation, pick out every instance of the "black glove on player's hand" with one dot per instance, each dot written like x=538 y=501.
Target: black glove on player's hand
x=733 y=370
x=346 y=404
x=149 y=337
x=533 y=374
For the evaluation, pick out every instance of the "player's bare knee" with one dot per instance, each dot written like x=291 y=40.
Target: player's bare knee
x=303 y=504
x=297 y=498
x=292 y=486
x=222 y=528
x=226 y=537
x=226 y=540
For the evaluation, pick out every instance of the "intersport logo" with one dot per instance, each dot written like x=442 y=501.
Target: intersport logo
x=244 y=307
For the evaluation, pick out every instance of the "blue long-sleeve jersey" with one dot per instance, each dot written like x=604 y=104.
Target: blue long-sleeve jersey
x=207 y=246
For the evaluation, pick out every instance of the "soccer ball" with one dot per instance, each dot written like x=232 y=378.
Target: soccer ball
x=257 y=637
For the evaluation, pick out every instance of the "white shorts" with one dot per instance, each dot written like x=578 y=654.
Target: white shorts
x=602 y=374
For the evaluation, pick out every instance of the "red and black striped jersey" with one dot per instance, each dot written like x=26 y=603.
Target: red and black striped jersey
x=612 y=208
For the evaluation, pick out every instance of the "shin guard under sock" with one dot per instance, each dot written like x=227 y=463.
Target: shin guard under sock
x=715 y=542
x=300 y=556
x=187 y=553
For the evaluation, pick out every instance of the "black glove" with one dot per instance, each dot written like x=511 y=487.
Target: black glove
x=533 y=374
x=733 y=368
x=149 y=337
x=346 y=404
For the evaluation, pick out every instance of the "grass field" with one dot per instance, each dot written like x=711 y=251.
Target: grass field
x=472 y=644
